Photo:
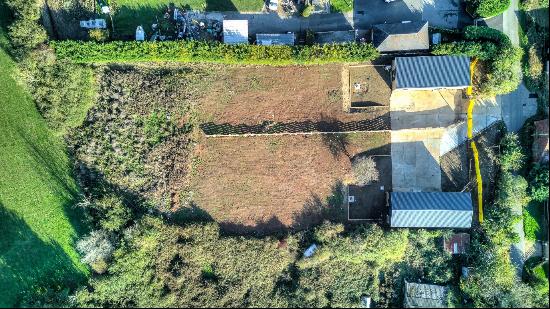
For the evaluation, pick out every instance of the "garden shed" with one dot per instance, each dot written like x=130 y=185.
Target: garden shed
x=235 y=31
x=431 y=72
x=419 y=295
x=275 y=38
x=431 y=209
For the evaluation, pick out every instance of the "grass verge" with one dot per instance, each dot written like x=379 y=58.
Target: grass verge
x=37 y=229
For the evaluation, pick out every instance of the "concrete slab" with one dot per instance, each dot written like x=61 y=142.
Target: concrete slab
x=415 y=160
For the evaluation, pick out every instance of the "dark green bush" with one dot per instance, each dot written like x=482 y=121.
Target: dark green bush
x=25 y=33
x=538 y=182
x=488 y=8
x=200 y=51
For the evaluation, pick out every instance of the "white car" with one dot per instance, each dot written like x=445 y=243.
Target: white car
x=272 y=5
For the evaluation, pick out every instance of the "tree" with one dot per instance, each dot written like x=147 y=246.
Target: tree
x=364 y=171
x=512 y=157
x=96 y=249
x=538 y=183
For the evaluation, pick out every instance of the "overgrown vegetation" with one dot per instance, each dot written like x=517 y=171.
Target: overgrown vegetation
x=533 y=19
x=501 y=60
x=493 y=282
x=202 y=51
x=341 y=6
x=487 y=8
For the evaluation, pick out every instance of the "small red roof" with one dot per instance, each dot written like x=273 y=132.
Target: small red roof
x=457 y=243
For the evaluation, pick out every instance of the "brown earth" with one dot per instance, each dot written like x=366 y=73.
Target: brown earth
x=268 y=183
x=251 y=95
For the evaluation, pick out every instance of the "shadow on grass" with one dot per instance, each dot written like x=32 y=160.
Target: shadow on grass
x=31 y=269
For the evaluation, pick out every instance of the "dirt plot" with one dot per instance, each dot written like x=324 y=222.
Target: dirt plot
x=268 y=183
x=253 y=95
x=369 y=86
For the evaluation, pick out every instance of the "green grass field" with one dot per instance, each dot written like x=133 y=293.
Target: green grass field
x=37 y=227
x=132 y=13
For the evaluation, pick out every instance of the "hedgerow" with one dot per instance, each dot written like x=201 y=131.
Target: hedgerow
x=200 y=51
x=488 y=8
x=502 y=59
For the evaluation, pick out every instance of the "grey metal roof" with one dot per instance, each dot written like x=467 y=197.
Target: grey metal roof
x=425 y=296
x=432 y=72
x=235 y=31
x=275 y=39
x=431 y=209
x=404 y=36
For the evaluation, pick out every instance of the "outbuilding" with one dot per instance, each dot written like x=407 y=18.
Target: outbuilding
x=275 y=38
x=431 y=72
x=431 y=209
x=419 y=295
x=235 y=31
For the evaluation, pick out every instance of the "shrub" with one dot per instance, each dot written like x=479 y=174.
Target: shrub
x=26 y=34
x=489 y=8
x=531 y=226
x=113 y=215
x=98 y=35
x=96 y=249
x=307 y=11
x=535 y=63
x=512 y=157
x=538 y=182
x=202 y=51
x=364 y=171
x=63 y=92
x=512 y=191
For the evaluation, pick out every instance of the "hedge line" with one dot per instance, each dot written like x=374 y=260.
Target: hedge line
x=201 y=51
x=488 y=8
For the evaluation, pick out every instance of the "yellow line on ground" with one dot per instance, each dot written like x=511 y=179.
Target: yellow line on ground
x=469 y=92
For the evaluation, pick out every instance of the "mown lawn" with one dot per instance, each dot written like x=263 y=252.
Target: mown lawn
x=37 y=228
x=132 y=13
x=533 y=222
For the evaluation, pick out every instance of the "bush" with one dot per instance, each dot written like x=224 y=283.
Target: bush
x=538 y=182
x=489 y=8
x=96 y=249
x=512 y=191
x=98 y=35
x=512 y=157
x=26 y=34
x=201 y=51
x=364 y=171
x=63 y=92
x=531 y=225
x=307 y=11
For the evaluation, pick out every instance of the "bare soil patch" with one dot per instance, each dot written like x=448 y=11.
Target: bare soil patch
x=264 y=184
x=253 y=95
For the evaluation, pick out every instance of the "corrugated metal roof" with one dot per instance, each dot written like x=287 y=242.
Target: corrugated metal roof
x=401 y=36
x=235 y=31
x=432 y=72
x=275 y=39
x=431 y=209
x=425 y=295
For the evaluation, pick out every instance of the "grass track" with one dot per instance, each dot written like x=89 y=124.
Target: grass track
x=37 y=230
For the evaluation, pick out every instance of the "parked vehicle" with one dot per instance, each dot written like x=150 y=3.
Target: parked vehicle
x=273 y=5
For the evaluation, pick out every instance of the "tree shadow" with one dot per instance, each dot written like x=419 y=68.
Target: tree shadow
x=336 y=143
x=30 y=267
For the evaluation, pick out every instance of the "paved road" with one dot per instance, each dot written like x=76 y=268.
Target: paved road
x=442 y=13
